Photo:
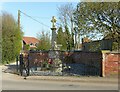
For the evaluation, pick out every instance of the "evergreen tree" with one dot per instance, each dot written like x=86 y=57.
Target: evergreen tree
x=69 y=39
x=0 y=40
x=11 y=38
x=61 y=39
x=64 y=38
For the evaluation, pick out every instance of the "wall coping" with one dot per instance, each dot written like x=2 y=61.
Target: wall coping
x=110 y=52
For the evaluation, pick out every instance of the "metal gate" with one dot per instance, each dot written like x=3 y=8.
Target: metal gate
x=22 y=65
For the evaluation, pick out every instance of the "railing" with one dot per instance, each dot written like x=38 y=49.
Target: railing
x=75 y=63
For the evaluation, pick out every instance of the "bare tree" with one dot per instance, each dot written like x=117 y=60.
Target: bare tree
x=65 y=14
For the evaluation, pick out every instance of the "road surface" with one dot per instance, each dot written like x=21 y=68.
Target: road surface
x=14 y=82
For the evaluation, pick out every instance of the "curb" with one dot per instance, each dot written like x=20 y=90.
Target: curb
x=73 y=79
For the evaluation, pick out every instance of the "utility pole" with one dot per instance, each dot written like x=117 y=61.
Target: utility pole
x=19 y=19
x=19 y=27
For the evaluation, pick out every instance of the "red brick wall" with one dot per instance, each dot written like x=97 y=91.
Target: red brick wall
x=68 y=57
x=111 y=63
x=36 y=58
x=111 y=60
x=84 y=57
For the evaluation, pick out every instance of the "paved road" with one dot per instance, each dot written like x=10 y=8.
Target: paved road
x=14 y=82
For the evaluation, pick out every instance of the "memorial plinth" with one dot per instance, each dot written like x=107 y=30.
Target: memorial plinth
x=54 y=52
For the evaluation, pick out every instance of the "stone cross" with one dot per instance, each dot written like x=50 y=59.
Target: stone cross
x=53 y=21
x=53 y=33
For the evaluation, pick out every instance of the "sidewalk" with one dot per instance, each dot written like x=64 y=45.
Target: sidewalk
x=82 y=79
x=8 y=68
x=93 y=79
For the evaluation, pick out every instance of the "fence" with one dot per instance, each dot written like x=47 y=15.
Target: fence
x=84 y=63
x=98 y=45
x=73 y=63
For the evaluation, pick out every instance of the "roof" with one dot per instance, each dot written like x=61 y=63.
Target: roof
x=29 y=40
x=86 y=39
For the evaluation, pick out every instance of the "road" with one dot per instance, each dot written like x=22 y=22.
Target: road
x=14 y=82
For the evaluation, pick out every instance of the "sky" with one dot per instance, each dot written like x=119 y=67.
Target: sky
x=41 y=11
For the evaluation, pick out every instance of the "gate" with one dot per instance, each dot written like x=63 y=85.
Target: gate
x=22 y=65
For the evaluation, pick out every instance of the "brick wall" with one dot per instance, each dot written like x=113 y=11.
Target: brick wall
x=112 y=62
x=87 y=63
x=84 y=63
x=36 y=58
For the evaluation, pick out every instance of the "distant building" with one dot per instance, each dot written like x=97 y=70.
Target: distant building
x=86 y=39
x=31 y=41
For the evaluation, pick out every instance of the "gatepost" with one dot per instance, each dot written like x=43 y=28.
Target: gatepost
x=103 y=62
x=17 y=59
x=28 y=66
x=21 y=64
